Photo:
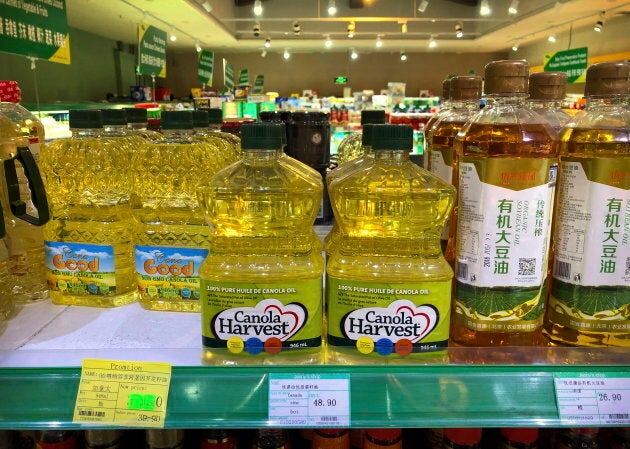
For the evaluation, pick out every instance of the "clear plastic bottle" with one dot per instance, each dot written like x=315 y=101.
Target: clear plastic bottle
x=215 y=118
x=264 y=265
x=171 y=237
x=137 y=122
x=506 y=157
x=589 y=300
x=462 y=438
x=115 y=125
x=88 y=241
x=165 y=439
x=428 y=126
x=546 y=92
x=223 y=144
x=351 y=147
x=330 y=438
x=386 y=266
x=465 y=94
x=521 y=438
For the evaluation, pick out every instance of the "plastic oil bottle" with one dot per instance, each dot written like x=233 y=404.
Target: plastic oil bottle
x=590 y=287
x=388 y=285
x=351 y=147
x=115 y=125
x=6 y=300
x=25 y=238
x=88 y=241
x=137 y=122
x=171 y=237
x=215 y=119
x=465 y=94
x=262 y=280
x=428 y=126
x=507 y=165
x=546 y=92
x=223 y=144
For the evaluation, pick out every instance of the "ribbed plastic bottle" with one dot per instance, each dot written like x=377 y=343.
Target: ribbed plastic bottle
x=137 y=122
x=507 y=166
x=382 y=439
x=215 y=117
x=165 y=439
x=546 y=92
x=462 y=438
x=388 y=285
x=351 y=147
x=24 y=238
x=115 y=125
x=224 y=147
x=330 y=438
x=262 y=280
x=519 y=438
x=465 y=94
x=590 y=287
x=171 y=236
x=88 y=241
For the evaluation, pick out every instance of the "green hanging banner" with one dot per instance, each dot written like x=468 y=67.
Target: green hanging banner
x=259 y=84
x=573 y=62
x=206 y=67
x=35 y=28
x=228 y=74
x=151 y=50
x=243 y=76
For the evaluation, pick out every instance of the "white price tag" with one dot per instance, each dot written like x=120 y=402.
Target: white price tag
x=593 y=398
x=309 y=400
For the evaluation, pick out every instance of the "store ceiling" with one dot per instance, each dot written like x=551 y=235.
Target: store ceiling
x=228 y=25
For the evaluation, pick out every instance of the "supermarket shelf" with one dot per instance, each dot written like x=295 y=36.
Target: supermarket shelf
x=41 y=350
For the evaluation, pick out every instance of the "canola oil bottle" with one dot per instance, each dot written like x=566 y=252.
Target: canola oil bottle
x=115 y=125
x=88 y=241
x=589 y=303
x=171 y=237
x=224 y=149
x=388 y=285
x=262 y=280
x=137 y=122
x=507 y=166
x=546 y=92
x=351 y=147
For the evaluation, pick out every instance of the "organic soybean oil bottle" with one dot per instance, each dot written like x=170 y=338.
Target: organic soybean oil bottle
x=465 y=92
x=351 y=147
x=262 y=280
x=507 y=164
x=388 y=285
x=589 y=303
x=137 y=122
x=88 y=241
x=171 y=236
x=546 y=92
x=446 y=106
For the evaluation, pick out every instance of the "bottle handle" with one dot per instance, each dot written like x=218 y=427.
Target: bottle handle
x=35 y=183
x=3 y=230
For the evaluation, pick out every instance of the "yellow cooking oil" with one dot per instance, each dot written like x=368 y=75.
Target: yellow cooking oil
x=388 y=284
x=262 y=280
x=88 y=241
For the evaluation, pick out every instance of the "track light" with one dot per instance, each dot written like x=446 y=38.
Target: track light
x=459 y=31
x=328 y=43
x=403 y=27
x=513 y=9
x=432 y=42
x=296 y=28
x=267 y=43
x=379 y=42
x=207 y=6
x=173 y=38
x=422 y=7
x=198 y=47
x=258 y=8
x=599 y=26
x=552 y=38
x=403 y=56
x=256 y=30
x=332 y=8
x=354 y=54
x=515 y=46
x=351 y=28
x=484 y=8
x=286 y=54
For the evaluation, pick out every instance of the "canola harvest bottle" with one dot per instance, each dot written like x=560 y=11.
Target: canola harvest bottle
x=171 y=236
x=546 y=92
x=465 y=94
x=589 y=302
x=388 y=285
x=351 y=147
x=261 y=283
x=507 y=166
x=88 y=241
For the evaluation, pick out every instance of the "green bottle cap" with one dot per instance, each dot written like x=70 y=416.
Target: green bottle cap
x=262 y=136
x=392 y=137
x=114 y=117
x=200 y=119
x=376 y=116
x=136 y=115
x=177 y=120
x=367 y=134
x=85 y=118
x=215 y=116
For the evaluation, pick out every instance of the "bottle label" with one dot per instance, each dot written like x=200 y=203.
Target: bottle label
x=257 y=317
x=169 y=273
x=505 y=208
x=442 y=163
x=80 y=268
x=591 y=271
x=386 y=318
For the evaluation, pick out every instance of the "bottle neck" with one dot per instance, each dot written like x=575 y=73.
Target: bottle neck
x=257 y=156
x=612 y=100
x=214 y=127
x=139 y=126
x=391 y=156
x=545 y=104
x=114 y=129
x=177 y=134
x=465 y=104
x=507 y=99
x=86 y=132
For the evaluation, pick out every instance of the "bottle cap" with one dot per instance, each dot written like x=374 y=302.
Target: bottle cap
x=375 y=116
x=463 y=436
x=547 y=85
x=522 y=435
x=85 y=118
x=114 y=117
x=446 y=89
x=270 y=116
x=200 y=119
x=136 y=115
x=506 y=77
x=384 y=434
x=262 y=136
x=465 y=88
x=608 y=78
x=177 y=120
x=215 y=115
x=367 y=134
x=392 y=137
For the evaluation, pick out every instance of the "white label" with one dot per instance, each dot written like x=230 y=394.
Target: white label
x=593 y=399
x=439 y=168
x=502 y=234
x=592 y=231
x=309 y=400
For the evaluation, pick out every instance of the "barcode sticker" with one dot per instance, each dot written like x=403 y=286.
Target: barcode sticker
x=309 y=400
x=593 y=398
x=562 y=270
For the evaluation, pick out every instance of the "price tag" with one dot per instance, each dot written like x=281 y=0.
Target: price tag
x=593 y=398
x=131 y=394
x=309 y=400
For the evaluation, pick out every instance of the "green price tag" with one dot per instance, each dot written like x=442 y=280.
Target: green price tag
x=148 y=402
